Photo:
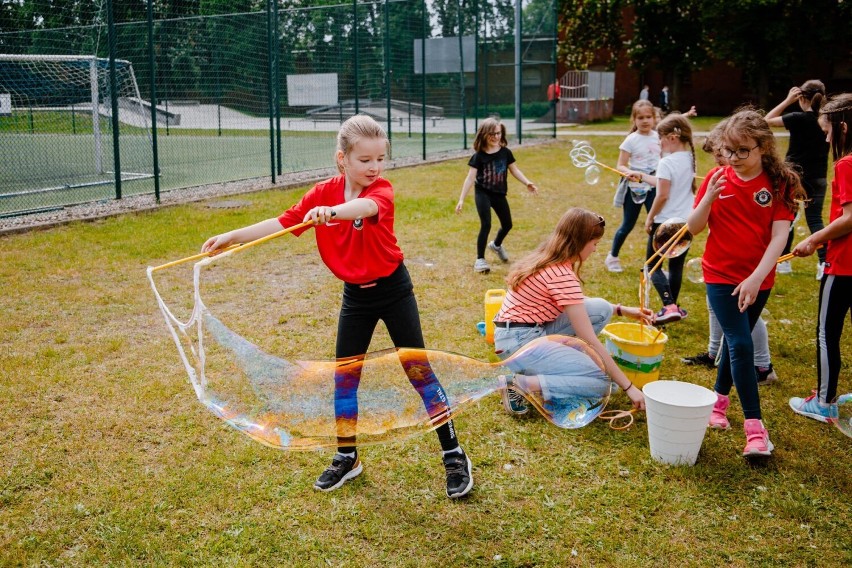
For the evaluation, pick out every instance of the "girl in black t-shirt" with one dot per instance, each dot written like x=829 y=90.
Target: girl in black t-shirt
x=489 y=169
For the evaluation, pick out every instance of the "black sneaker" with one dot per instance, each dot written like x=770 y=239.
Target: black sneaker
x=766 y=375
x=342 y=469
x=513 y=401
x=459 y=478
x=701 y=359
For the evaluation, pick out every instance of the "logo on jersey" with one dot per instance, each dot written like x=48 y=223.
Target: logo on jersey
x=358 y=224
x=763 y=197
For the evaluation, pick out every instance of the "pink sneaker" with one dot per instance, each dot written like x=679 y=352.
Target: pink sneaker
x=757 y=439
x=718 y=419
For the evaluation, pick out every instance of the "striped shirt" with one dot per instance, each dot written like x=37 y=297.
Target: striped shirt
x=542 y=297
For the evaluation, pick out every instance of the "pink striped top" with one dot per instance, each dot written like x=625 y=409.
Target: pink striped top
x=542 y=297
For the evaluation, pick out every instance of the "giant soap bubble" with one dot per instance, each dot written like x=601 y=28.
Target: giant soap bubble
x=308 y=404
x=665 y=241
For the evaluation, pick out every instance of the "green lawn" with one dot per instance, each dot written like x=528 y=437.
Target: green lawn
x=109 y=459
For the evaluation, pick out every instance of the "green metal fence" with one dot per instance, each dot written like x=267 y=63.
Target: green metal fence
x=246 y=90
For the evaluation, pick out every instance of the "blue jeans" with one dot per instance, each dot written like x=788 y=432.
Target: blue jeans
x=563 y=372
x=736 y=367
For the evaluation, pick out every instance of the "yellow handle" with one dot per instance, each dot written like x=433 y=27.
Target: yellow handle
x=241 y=246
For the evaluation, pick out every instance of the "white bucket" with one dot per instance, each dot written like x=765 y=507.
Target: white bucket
x=677 y=414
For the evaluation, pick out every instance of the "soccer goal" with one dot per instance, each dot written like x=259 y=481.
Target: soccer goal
x=59 y=123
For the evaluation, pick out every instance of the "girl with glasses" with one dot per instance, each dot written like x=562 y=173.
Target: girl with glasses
x=748 y=206
x=488 y=173
x=545 y=298
x=835 y=290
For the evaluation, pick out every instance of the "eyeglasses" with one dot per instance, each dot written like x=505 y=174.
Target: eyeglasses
x=740 y=153
x=496 y=133
x=601 y=221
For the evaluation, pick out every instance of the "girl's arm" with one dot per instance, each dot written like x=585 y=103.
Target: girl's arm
x=358 y=208
x=697 y=220
x=664 y=187
x=643 y=315
x=834 y=230
x=516 y=171
x=242 y=235
x=773 y=117
x=623 y=166
x=468 y=183
x=747 y=289
x=579 y=319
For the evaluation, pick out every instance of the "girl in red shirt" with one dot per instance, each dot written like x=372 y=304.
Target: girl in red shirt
x=835 y=290
x=353 y=217
x=748 y=206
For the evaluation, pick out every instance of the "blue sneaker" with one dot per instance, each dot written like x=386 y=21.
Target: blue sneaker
x=812 y=408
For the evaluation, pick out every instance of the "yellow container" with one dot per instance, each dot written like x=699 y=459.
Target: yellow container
x=637 y=349
x=493 y=301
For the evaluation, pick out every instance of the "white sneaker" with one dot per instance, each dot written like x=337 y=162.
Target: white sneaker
x=499 y=251
x=785 y=267
x=612 y=263
x=820 y=270
x=481 y=266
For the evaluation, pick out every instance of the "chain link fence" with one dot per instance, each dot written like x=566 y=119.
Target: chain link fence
x=100 y=101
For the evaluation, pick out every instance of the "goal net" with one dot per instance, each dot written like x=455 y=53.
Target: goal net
x=56 y=112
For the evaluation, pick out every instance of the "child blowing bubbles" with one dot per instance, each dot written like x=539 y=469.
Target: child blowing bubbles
x=835 y=290
x=353 y=214
x=748 y=207
x=488 y=173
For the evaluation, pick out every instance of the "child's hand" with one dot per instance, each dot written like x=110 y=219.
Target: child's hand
x=644 y=315
x=531 y=187
x=747 y=291
x=716 y=185
x=320 y=215
x=636 y=397
x=805 y=248
x=649 y=224
x=218 y=242
x=459 y=206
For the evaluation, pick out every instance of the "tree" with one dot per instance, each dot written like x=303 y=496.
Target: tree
x=587 y=27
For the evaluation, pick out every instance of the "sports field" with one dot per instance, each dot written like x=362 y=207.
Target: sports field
x=109 y=459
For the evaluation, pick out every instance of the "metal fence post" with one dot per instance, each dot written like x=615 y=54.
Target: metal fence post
x=113 y=94
x=152 y=76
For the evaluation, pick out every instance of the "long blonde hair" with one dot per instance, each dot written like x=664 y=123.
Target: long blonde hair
x=573 y=232
x=357 y=128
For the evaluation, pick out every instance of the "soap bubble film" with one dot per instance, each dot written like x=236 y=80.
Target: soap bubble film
x=844 y=414
x=694 y=272
x=666 y=231
x=593 y=175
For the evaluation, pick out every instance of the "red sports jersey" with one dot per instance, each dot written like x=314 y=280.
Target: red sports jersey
x=740 y=226
x=357 y=251
x=838 y=254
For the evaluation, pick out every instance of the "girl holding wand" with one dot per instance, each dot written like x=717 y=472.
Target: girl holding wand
x=835 y=290
x=675 y=183
x=353 y=215
x=488 y=173
x=545 y=298
x=639 y=154
x=748 y=207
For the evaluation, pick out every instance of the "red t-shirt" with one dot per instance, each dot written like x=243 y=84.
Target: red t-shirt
x=838 y=254
x=357 y=251
x=740 y=224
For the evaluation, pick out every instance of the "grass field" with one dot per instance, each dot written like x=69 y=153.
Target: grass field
x=108 y=458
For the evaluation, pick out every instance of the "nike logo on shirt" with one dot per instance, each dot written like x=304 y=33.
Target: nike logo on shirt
x=726 y=196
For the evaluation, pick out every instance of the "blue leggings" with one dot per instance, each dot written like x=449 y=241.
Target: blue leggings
x=630 y=213
x=736 y=367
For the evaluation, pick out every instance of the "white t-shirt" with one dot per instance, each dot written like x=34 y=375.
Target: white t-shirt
x=677 y=168
x=644 y=150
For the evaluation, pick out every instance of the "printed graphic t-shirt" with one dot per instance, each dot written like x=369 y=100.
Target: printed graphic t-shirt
x=492 y=170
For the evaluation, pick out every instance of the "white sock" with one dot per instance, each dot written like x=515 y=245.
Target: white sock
x=456 y=450
x=351 y=455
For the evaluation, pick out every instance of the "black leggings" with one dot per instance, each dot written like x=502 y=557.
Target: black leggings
x=835 y=301
x=815 y=188
x=390 y=299
x=667 y=288
x=485 y=202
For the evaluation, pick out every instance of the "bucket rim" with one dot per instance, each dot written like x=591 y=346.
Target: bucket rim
x=663 y=338
x=662 y=384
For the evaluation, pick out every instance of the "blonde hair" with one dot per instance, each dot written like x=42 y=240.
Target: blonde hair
x=573 y=232
x=679 y=125
x=749 y=123
x=637 y=106
x=357 y=128
x=485 y=128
